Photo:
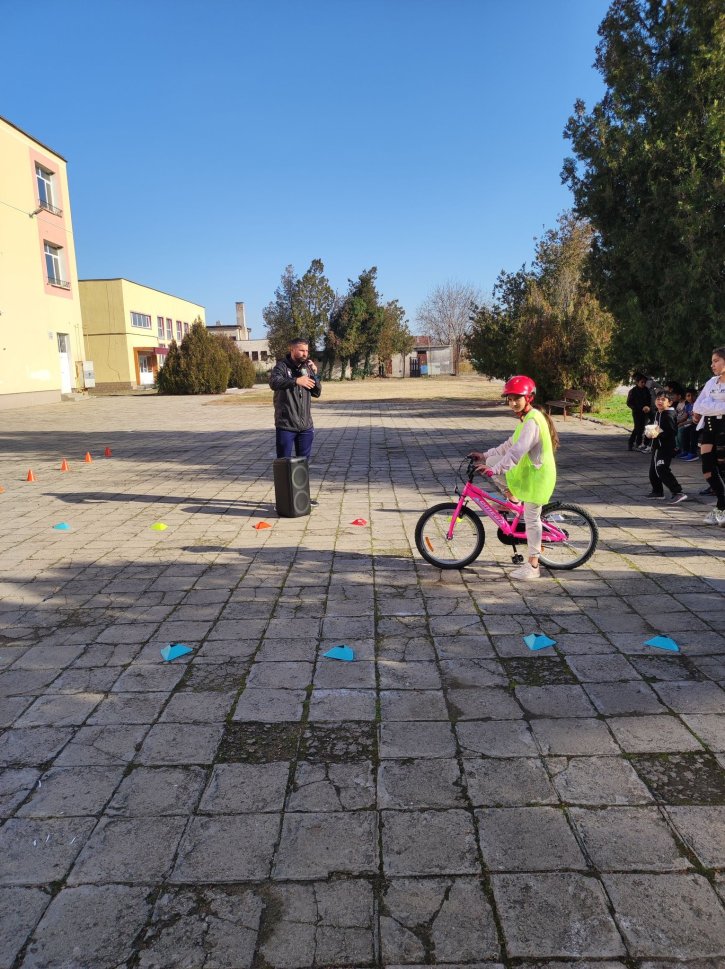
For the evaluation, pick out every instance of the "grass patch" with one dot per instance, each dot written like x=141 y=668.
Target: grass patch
x=613 y=410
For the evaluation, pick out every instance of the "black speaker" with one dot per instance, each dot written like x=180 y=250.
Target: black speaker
x=291 y=487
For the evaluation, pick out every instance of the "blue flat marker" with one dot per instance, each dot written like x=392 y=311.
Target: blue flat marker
x=340 y=652
x=538 y=641
x=62 y=527
x=663 y=642
x=174 y=650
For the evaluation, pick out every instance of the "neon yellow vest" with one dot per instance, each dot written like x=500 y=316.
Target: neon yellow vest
x=527 y=482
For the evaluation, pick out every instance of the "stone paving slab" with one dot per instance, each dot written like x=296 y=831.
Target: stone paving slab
x=448 y=799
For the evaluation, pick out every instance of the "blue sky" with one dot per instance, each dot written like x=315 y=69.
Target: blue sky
x=209 y=144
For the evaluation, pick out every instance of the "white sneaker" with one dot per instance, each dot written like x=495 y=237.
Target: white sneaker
x=720 y=515
x=526 y=572
x=711 y=518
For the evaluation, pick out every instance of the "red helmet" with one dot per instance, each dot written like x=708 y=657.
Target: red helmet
x=521 y=386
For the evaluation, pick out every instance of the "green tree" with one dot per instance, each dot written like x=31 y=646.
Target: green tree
x=312 y=303
x=301 y=307
x=649 y=174
x=566 y=335
x=169 y=378
x=493 y=341
x=356 y=325
x=395 y=337
x=279 y=314
x=547 y=322
x=241 y=369
x=198 y=366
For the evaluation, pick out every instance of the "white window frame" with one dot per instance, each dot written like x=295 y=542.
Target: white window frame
x=45 y=184
x=169 y=329
x=179 y=331
x=160 y=327
x=141 y=321
x=55 y=265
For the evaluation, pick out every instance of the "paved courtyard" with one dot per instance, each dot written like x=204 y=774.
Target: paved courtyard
x=450 y=798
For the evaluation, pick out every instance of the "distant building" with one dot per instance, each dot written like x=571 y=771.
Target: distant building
x=41 y=351
x=128 y=329
x=256 y=350
x=426 y=359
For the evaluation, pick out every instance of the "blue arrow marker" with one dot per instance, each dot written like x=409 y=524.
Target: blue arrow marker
x=663 y=642
x=173 y=651
x=538 y=641
x=340 y=652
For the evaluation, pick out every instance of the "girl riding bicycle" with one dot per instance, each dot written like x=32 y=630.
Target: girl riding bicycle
x=524 y=465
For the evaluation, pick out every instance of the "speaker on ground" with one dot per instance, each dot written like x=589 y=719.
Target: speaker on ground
x=291 y=487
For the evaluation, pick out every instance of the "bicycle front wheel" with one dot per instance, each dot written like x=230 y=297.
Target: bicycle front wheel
x=431 y=536
x=581 y=533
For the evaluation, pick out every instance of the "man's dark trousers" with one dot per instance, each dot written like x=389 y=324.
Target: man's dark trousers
x=299 y=441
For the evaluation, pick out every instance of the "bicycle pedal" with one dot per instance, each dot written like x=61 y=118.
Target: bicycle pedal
x=517 y=559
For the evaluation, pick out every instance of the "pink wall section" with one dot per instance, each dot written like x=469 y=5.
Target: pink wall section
x=52 y=228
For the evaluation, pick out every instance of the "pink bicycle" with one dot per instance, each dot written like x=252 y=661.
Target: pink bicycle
x=451 y=535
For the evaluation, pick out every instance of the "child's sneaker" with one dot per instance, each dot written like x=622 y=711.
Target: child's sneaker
x=677 y=498
x=715 y=517
x=720 y=513
x=526 y=572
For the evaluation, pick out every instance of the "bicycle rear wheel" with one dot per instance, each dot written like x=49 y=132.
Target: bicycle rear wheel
x=581 y=531
x=431 y=536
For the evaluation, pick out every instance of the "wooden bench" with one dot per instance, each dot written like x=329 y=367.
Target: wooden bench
x=572 y=401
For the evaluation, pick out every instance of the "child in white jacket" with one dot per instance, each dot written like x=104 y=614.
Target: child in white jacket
x=709 y=411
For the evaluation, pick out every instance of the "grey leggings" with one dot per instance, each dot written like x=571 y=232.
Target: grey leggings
x=532 y=518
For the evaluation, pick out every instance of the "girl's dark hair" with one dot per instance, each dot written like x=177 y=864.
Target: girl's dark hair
x=552 y=430
x=691 y=390
x=720 y=352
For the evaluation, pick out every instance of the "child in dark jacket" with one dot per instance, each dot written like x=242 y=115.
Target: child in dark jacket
x=663 y=434
x=639 y=401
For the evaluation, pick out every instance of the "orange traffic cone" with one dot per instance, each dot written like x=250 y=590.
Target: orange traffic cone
x=1 y=489
x=64 y=465
x=107 y=453
x=88 y=457
x=31 y=476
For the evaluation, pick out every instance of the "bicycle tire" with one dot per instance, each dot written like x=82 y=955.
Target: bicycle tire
x=424 y=542
x=562 y=507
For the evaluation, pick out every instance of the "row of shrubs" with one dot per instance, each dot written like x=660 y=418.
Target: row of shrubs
x=204 y=363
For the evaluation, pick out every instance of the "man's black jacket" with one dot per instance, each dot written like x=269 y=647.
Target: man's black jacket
x=292 y=410
x=637 y=398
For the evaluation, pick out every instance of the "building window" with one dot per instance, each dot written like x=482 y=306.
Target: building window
x=54 y=266
x=141 y=319
x=178 y=331
x=186 y=328
x=246 y=353
x=45 y=181
x=264 y=355
x=160 y=327
x=255 y=355
x=169 y=329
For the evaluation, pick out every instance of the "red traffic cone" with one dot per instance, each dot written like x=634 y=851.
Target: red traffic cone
x=64 y=465
x=107 y=453
x=88 y=457
x=31 y=476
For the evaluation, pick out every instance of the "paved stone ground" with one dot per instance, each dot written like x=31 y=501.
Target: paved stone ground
x=448 y=799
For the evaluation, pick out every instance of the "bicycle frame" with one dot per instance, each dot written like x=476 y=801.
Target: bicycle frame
x=488 y=504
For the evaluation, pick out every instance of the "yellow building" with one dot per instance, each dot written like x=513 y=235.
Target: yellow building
x=128 y=328
x=41 y=337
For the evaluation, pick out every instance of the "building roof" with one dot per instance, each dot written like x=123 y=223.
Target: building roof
x=124 y=279
x=33 y=138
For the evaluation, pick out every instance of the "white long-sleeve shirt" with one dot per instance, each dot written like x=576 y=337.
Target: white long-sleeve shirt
x=504 y=457
x=711 y=400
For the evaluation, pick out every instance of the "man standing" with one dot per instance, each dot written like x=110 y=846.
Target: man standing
x=294 y=381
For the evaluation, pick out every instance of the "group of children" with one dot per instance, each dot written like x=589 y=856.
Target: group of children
x=674 y=422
